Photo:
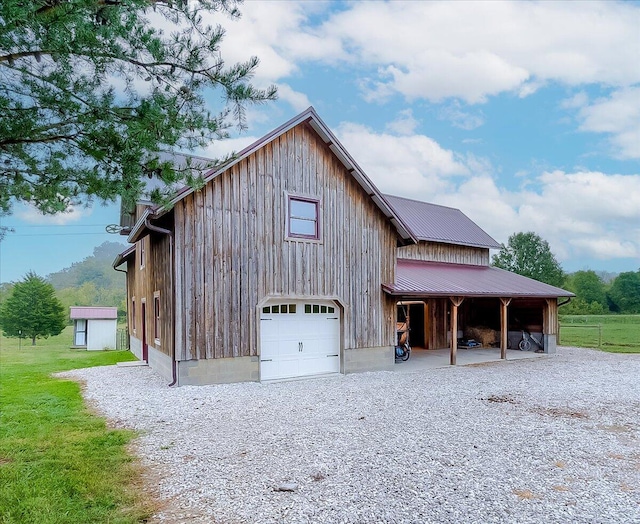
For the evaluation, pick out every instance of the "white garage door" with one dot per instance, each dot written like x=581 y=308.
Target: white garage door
x=299 y=338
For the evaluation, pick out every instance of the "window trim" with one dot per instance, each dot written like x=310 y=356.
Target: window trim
x=318 y=229
x=156 y=317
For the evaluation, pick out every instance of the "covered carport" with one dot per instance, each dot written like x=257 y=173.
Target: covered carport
x=458 y=297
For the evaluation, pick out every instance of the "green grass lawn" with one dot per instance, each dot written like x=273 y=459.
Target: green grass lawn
x=613 y=333
x=58 y=462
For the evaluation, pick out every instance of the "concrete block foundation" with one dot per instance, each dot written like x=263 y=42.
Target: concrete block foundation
x=361 y=360
x=218 y=371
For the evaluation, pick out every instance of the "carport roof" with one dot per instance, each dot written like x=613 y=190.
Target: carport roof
x=418 y=278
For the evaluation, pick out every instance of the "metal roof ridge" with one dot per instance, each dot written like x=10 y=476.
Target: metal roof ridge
x=424 y=202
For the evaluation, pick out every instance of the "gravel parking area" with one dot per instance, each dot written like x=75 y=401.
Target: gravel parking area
x=544 y=440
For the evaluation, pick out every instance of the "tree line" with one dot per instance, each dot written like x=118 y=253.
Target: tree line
x=529 y=255
x=35 y=307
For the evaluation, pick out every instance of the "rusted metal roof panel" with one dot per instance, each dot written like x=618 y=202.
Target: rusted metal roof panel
x=417 y=278
x=93 y=312
x=430 y=222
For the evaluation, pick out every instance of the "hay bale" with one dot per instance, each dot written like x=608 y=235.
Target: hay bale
x=487 y=337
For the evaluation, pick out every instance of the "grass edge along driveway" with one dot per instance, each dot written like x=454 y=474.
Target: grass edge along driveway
x=59 y=463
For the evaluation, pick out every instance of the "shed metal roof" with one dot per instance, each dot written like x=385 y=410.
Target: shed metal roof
x=418 y=278
x=436 y=223
x=93 y=312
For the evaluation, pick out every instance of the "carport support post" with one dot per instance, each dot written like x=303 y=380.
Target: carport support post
x=504 y=326
x=456 y=301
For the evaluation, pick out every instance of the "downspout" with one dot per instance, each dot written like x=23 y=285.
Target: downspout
x=565 y=302
x=174 y=364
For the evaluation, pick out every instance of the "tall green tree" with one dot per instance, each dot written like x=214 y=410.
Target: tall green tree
x=624 y=295
x=529 y=255
x=92 y=90
x=32 y=310
x=588 y=286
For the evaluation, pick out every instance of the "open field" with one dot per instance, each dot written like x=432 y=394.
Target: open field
x=59 y=463
x=612 y=333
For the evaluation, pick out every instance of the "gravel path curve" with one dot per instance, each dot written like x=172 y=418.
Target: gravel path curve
x=551 y=440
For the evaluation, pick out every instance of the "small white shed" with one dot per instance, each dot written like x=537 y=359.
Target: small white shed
x=94 y=328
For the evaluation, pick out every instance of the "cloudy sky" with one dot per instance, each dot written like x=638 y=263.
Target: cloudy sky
x=525 y=115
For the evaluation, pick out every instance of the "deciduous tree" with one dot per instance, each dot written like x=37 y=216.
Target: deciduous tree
x=32 y=310
x=529 y=255
x=588 y=287
x=91 y=90
x=624 y=295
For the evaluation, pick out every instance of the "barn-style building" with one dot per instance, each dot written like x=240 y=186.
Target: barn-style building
x=289 y=262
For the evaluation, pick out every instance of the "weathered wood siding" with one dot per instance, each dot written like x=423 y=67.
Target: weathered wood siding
x=231 y=250
x=143 y=282
x=449 y=253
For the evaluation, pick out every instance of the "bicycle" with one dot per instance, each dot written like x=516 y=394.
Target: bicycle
x=402 y=350
x=525 y=343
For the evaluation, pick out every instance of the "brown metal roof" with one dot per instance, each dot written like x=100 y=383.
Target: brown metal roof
x=435 y=223
x=123 y=256
x=417 y=278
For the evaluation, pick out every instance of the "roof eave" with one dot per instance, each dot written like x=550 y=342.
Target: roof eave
x=443 y=294
x=122 y=257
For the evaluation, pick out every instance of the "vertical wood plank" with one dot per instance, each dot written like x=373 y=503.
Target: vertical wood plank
x=208 y=261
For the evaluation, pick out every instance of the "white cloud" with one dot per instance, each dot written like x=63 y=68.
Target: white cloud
x=298 y=101
x=31 y=215
x=577 y=101
x=619 y=116
x=404 y=124
x=220 y=148
x=459 y=118
x=436 y=50
x=408 y=165
x=584 y=214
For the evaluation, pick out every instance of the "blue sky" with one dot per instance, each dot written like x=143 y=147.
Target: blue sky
x=525 y=115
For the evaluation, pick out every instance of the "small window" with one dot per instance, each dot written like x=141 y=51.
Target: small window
x=133 y=314
x=330 y=310
x=307 y=308
x=275 y=309
x=292 y=308
x=303 y=218
x=316 y=308
x=283 y=308
x=323 y=309
x=156 y=316
x=142 y=254
x=266 y=309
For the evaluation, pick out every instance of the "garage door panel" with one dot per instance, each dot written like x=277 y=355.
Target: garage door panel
x=299 y=341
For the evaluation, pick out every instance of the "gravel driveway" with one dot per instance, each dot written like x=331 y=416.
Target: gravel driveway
x=544 y=440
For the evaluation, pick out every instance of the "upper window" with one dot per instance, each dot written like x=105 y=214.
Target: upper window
x=143 y=255
x=133 y=314
x=156 y=316
x=303 y=218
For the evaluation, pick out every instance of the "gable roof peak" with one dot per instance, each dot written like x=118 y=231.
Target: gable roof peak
x=311 y=117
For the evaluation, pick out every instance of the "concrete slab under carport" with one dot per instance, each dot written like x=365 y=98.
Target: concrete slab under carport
x=422 y=359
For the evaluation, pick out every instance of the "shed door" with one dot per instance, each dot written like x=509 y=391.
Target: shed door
x=80 y=334
x=299 y=338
